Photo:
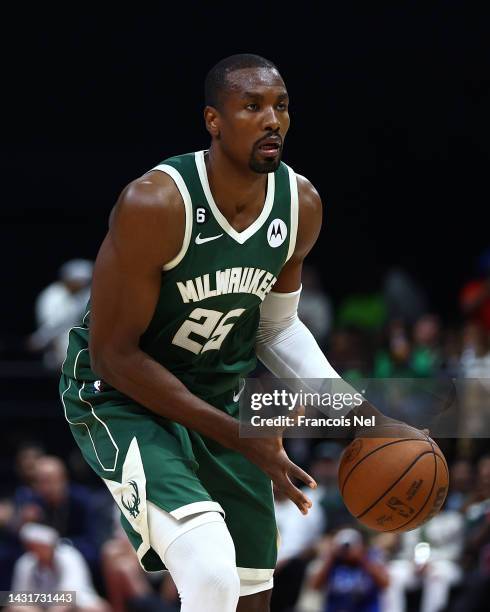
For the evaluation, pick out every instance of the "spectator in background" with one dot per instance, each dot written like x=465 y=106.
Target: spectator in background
x=128 y=587
x=452 y=353
x=50 y=565
x=423 y=394
x=461 y=482
x=475 y=366
x=426 y=359
x=477 y=509
x=405 y=300
x=352 y=575
x=59 y=307
x=25 y=462
x=349 y=353
x=10 y=548
x=406 y=358
x=475 y=355
x=66 y=507
x=475 y=295
x=393 y=361
x=298 y=535
x=476 y=557
x=26 y=458
x=428 y=558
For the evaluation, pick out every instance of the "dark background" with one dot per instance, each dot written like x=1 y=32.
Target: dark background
x=390 y=121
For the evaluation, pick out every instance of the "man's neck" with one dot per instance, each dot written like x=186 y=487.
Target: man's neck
x=235 y=190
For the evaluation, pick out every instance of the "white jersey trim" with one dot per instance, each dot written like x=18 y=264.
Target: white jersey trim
x=250 y=587
x=240 y=237
x=184 y=192
x=106 y=469
x=196 y=508
x=255 y=574
x=293 y=187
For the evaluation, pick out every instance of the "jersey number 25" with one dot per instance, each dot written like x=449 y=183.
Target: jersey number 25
x=210 y=325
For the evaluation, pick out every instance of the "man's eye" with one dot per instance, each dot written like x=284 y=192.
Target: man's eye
x=282 y=106
x=252 y=106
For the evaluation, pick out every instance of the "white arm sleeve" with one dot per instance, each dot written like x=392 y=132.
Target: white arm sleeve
x=285 y=345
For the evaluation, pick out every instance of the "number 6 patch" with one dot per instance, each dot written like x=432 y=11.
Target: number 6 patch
x=201 y=215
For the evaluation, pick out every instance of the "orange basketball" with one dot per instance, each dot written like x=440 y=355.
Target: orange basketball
x=394 y=484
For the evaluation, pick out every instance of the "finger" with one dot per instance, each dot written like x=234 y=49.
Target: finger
x=295 y=471
x=283 y=483
x=299 y=410
x=297 y=496
x=296 y=413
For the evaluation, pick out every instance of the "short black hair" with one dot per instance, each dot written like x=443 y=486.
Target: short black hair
x=216 y=79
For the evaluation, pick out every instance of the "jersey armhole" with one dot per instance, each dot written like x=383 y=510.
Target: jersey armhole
x=184 y=192
x=293 y=188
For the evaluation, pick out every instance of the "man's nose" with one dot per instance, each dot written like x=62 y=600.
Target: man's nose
x=271 y=119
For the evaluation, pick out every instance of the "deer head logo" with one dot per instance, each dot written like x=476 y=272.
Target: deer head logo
x=132 y=506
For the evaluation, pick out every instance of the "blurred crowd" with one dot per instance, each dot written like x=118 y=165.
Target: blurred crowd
x=332 y=564
x=59 y=528
x=56 y=534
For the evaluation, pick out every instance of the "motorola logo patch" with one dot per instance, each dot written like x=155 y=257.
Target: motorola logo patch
x=277 y=232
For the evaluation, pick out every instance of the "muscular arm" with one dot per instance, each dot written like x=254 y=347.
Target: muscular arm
x=146 y=231
x=309 y=226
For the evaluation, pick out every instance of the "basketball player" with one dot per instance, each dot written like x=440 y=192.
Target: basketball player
x=200 y=272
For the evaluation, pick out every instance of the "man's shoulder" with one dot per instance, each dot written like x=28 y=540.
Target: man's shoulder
x=307 y=192
x=148 y=222
x=154 y=189
x=157 y=186
x=157 y=194
x=153 y=197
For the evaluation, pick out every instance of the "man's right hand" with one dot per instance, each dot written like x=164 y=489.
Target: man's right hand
x=269 y=455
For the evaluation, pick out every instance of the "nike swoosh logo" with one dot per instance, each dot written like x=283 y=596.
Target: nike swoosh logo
x=200 y=240
x=236 y=396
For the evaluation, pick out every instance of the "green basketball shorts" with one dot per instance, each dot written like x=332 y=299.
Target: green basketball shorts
x=143 y=458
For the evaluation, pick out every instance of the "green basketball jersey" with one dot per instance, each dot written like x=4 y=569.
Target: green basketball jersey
x=206 y=319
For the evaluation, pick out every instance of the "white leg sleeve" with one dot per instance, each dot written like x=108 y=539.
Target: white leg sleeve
x=201 y=559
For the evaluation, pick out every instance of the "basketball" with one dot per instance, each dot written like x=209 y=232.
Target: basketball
x=394 y=483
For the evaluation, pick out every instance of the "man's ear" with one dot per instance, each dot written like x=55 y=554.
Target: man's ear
x=211 y=118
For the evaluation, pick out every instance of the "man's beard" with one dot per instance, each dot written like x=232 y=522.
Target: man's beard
x=262 y=166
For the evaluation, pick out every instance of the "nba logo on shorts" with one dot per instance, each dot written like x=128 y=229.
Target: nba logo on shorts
x=277 y=232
